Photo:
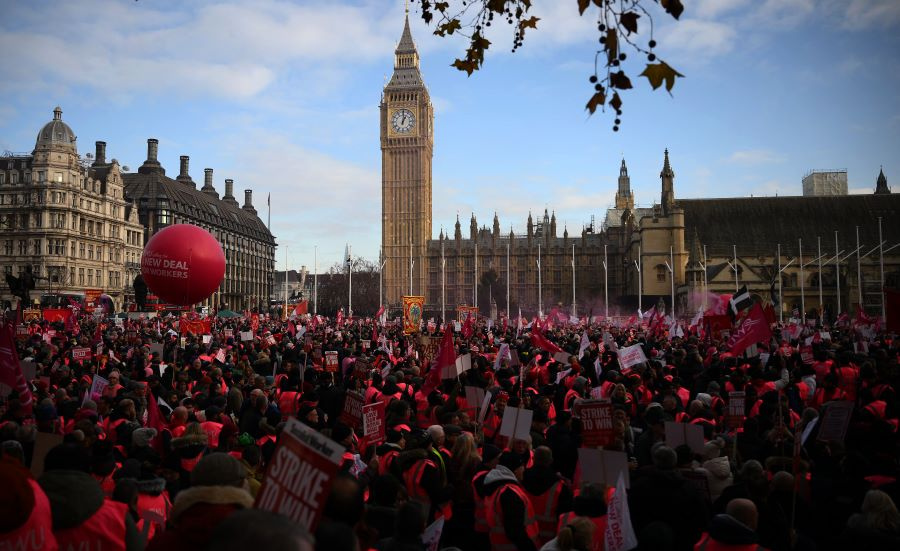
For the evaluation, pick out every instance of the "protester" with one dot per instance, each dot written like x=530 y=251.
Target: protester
x=184 y=435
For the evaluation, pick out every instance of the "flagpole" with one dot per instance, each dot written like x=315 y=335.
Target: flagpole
x=837 y=271
x=285 y=280
x=736 y=286
x=705 y=281
x=802 y=283
x=540 y=295
x=381 y=277
x=475 y=275
x=443 y=284
x=350 y=280
x=316 y=280
x=672 y=273
x=637 y=264
x=574 y=312
x=411 y=262
x=507 y=279
x=605 y=287
x=819 y=250
x=778 y=275
x=859 y=281
x=881 y=263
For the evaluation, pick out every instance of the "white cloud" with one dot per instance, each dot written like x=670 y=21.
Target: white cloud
x=755 y=157
x=863 y=14
x=695 y=40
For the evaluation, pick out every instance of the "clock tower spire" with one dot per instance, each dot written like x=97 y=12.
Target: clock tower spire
x=407 y=143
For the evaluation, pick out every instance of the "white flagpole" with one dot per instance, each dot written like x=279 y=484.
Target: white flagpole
x=350 y=280
x=540 y=293
x=507 y=279
x=736 y=286
x=819 y=251
x=475 y=275
x=637 y=264
x=443 y=284
x=881 y=263
x=780 y=302
x=802 y=284
x=574 y=311
x=672 y=273
x=381 y=263
x=859 y=279
x=605 y=287
x=705 y=281
x=285 y=280
x=411 y=262
x=316 y=280
x=837 y=271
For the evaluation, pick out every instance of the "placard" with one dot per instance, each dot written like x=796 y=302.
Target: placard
x=516 y=423
x=299 y=477
x=207 y=339
x=736 y=408
x=331 y=361
x=474 y=397
x=602 y=466
x=81 y=354
x=631 y=356
x=229 y=333
x=485 y=405
x=246 y=336
x=685 y=433
x=352 y=413
x=596 y=423
x=366 y=344
x=373 y=423
x=98 y=385
x=43 y=443
x=835 y=420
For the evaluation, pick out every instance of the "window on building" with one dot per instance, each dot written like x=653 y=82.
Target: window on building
x=81 y=250
x=90 y=276
x=82 y=225
x=90 y=250
x=58 y=177
x=99 y=252
x=99 y=278
x=661 y=272
x=2 y=178
x=72 y=250
x=23 y=247
x=36 y=220
x=72 y=275
x=8 y=247
x=13 y=178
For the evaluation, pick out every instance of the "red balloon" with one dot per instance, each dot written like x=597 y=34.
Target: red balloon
x=183 y=264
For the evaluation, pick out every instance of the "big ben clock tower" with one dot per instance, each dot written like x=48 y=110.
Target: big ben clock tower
x=407 y=143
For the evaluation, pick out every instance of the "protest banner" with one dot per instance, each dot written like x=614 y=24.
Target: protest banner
x=596 y=422
x=631 y=356
x=373 y=416
x=485 y=405
x=81 y=354
x=98 y=385
x=684 y=433
x=601 y=466
x=734 y=417
x=299 y=477
x=331 y=361
x=31 y=314
x=246 y=336
x=43 y=443
x=461 y=365
x=619 y=535
x=835 y=420
x=412 y=313
x=516 y=422
x=220 y=355
x=352 y=413
x=229 y=333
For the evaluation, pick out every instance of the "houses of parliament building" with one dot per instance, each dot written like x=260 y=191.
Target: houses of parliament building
x=637 y=257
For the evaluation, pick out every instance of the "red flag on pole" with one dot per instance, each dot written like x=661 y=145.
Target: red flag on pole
x=540 y=341
x=446 y=357
x=10 y=369
x=467 y=329
x=754 y=329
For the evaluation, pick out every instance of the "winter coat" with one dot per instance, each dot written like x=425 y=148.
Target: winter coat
x=196 y=513
x=667 y=496
x=718 y=476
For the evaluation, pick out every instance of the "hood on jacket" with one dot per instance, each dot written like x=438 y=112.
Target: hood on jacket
x=719 y=467
x=151 y=486
x=538 y=480
x=74 y=496
x=210 y=495
x=727 y=529
x=188 y=440
x=498 y=476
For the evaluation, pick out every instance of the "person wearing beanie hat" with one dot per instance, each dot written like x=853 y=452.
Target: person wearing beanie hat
x=217 y=490
x=510 y=515
x=82 y=517
x=141 y=437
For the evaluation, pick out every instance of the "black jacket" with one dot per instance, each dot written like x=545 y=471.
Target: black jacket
x=514 y=510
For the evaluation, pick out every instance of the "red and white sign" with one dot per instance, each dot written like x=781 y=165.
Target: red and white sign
x=596 y=423
x=353 y=410
x=373 y=423
x=81 y=354
x=98 y=385
x=331 y=361
x=299 y=477
x=736 y=408
x=631 y=356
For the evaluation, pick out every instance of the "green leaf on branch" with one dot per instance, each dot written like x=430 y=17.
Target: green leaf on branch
x=597 y=100
x=657 y=73
x=629 y=21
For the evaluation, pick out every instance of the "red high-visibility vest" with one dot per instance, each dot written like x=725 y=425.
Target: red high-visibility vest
x=598 y=542
x=570 y=398
x=545 y=506
x=481 y=523
x=385 y=461
x=497 y=530
x=158 y=505
x=212 y=430
x=36 y=534
x=412 y=478
x=289 y=403
x=105 y=530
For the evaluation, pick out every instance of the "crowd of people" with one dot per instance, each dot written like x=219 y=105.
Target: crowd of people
x=173 y=451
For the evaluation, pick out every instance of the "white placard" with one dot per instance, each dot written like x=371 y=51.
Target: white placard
x=516 y=422
x=685 y=433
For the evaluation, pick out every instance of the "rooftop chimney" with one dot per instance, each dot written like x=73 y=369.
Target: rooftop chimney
x=229 y=193
x=151 y=165
x=248 y=201
x=208 y=183
x=184 y=174
x=100 y=154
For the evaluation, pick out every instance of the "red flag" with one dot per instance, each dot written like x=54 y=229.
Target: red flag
x=292 y=329
x=340 y=317
x=540 y=341
x=446 y=357
x=379 y=313
x=155 y=420
x=862 y=318
x=467 y=329
x=505 y=324
x=301 y=308
x=892 y=309
x=769 y=312
x=754 y=329
x=10 y=370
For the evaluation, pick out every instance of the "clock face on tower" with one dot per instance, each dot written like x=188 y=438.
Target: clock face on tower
x=402 y=121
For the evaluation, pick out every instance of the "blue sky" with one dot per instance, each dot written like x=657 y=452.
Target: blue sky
x=283 y=98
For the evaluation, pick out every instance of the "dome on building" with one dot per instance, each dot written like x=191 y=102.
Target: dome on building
x=56 y=134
